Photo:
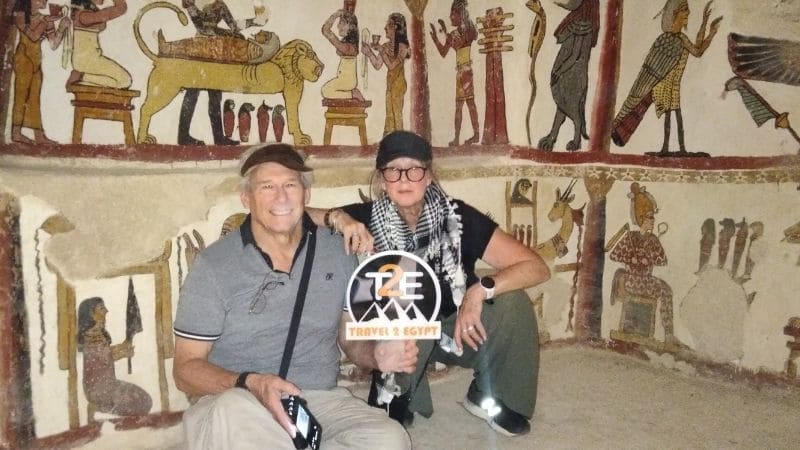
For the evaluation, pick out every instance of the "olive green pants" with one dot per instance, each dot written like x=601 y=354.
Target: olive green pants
x=506 y=366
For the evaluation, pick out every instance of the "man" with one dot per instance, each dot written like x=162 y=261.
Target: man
x=233 y=319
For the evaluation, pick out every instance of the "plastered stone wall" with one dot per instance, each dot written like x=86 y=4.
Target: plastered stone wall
x=96 y=216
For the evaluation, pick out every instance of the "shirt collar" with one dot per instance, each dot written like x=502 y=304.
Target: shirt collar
x=246 y=232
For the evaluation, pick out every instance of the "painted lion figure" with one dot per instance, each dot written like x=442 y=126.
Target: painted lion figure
x=285 y=73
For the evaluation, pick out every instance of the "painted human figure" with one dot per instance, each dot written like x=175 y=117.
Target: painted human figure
x=33 y=27
x=640 y=251
x=345 y=84
x=724 y=237
x=100 y=383
x=708 y=233
x=756 y=250
x=659 y=81
x=460 y=39
x=569 y=78
x=393 y=54
x=90 y=65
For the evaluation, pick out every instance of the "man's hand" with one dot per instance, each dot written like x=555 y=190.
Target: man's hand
x=396 y=356
x=269 y=389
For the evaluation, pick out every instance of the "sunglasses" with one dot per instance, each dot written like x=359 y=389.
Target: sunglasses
x=259 y=302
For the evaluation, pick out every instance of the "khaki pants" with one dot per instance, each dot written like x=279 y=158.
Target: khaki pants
x=235 y=419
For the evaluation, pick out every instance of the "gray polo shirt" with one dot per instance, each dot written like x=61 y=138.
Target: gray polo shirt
x=226 y=277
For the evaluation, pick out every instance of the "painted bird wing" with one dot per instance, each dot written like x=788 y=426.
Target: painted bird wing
x=764 y=59
x=662 y=57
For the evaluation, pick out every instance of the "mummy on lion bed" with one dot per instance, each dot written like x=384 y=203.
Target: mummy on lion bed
x=285 y=73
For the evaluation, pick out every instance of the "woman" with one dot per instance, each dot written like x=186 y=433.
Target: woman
x=33 y=28
x=343 y=86
x=493 y=317
x=393 y=54
x=90 y=65
x=100 y=383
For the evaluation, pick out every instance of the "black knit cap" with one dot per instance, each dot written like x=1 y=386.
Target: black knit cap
x=283 y=154
x=399 y=144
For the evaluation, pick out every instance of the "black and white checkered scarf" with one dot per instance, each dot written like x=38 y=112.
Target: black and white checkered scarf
x=437 y=238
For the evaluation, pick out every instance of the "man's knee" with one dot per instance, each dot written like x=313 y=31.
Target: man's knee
x=391 y=435
x=223 y=407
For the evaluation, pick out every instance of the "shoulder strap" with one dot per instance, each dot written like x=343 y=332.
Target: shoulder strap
x=298 y=305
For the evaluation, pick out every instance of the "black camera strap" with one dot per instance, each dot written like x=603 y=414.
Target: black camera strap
x=288 y=349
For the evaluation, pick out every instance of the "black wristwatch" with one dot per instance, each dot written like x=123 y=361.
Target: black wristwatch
x=487 y=283
x=241 y=381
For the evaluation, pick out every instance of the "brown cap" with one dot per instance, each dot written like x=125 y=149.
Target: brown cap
x=283 y=154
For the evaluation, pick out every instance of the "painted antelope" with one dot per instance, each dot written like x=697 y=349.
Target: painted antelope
x=556 y=246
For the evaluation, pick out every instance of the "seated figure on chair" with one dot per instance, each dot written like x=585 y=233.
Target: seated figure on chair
x=641 y=250
x=89 y=63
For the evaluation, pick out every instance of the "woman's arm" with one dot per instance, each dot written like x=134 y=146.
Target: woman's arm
x=376 y=60
x=56 y=37
x=518 y=267
x=326 y=29
x=357 y=238
x=33 y=30
x=386 y=356
x=122 y=350
x=392 y=62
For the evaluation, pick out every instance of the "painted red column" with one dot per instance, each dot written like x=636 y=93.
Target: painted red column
x=420 y=95
x=589 y=305
x=16 y=410
x=608 y=77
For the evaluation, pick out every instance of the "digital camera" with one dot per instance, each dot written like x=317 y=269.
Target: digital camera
x=309 y=431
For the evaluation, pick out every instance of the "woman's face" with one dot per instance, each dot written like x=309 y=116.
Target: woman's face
x=99 y=313
x=390 y=29
x=406 y=193
x=682 y=17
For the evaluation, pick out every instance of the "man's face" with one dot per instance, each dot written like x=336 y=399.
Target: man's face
x=276 y=199
x=455 y=17
x=648 y=222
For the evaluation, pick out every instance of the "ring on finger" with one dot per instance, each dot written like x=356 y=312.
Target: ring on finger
x=470 y=328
